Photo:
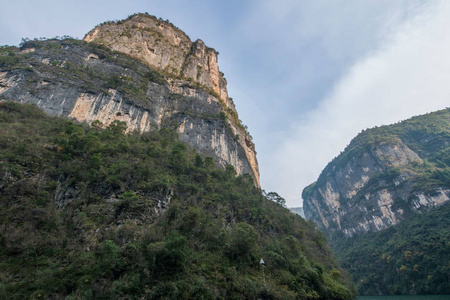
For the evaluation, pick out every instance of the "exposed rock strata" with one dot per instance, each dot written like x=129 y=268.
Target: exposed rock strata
x=71 y=78
x=372 y=186
x=163 y=46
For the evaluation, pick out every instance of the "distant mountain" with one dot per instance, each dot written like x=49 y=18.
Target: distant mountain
x=298 y=210
x=388 y=175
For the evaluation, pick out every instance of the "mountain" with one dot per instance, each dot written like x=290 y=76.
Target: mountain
x=386 y=176
x=125 y=173
x=141 y=71
x=92 y=213
x=298 y=210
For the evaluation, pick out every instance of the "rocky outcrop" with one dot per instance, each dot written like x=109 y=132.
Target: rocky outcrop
x=163 y=46
x=88 y=82
x=379 y=180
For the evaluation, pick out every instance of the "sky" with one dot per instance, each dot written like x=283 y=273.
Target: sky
x=306 y=76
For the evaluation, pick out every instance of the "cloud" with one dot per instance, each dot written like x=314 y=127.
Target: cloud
x=408 y=75
x=291 y=54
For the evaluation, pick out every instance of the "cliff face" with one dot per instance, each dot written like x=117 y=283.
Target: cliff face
x=163 y=46
x=88 y=82
x=383 y=176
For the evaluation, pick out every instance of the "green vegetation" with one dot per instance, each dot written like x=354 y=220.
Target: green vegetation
x=147 y=15
x=87 y=213
x=410 y=258
x=273 y=196
x=10 y=57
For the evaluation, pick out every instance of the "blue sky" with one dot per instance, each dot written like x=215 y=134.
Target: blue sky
x=306 y=76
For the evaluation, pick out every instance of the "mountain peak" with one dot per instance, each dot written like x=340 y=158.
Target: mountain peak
x=163 y=46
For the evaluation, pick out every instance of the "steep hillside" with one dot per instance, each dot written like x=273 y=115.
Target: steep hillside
x=115 y=79
x=391 y=175
x=92 y=213
x=412 y=257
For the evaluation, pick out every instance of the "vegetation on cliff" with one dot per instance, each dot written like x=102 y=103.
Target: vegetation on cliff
x=60 y=61
x=91 y=213
x=410 y=258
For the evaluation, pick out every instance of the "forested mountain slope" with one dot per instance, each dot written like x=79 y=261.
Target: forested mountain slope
x=92 y=213
x=409 y=258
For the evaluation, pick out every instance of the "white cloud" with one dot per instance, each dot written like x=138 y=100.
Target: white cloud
x=408 y=75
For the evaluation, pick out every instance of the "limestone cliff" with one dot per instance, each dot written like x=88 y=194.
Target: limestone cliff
x=163 y=46
x=383 y=176
x=155 y=77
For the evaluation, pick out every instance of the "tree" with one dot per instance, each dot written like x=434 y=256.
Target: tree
x=243 y=242
x=272 y=196
x=117 y=127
